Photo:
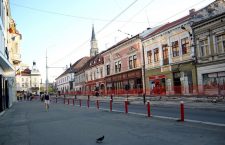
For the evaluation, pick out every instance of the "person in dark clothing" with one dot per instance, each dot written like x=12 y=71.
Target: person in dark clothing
x=47 y=101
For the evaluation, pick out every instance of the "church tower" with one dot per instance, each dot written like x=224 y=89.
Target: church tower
x=94 y=46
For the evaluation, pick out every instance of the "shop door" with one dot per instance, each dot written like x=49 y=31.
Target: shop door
x=221 y=85
x=1 y=93
x=6 y=94
x=177 y=83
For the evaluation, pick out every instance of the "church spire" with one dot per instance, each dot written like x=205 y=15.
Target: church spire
x=94 y=45
x=93 y=34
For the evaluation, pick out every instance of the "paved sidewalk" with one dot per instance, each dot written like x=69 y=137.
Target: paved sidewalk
x=27 y=123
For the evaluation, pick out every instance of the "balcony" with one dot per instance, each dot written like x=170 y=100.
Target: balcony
x=16 y=58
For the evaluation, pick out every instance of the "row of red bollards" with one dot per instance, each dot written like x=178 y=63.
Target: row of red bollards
x=126 y=103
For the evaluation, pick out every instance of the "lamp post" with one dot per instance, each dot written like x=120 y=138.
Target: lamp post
x=46 y=85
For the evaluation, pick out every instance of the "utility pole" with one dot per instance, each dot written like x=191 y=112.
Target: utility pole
x=46 y=72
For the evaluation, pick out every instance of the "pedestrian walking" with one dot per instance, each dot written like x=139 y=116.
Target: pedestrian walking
x=47 y=101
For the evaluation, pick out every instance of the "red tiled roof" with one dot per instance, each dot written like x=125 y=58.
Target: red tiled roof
x=76 y=66
x=168 y=26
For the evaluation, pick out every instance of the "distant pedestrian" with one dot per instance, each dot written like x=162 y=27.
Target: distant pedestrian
x=47 y=101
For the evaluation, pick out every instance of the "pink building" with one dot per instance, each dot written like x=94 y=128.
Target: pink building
x=123 y=67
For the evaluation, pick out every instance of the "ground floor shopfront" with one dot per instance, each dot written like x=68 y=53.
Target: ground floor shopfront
x=211 y=79
x=95 y=87
x=125 y=83
x=171 y=80
x=4 y=95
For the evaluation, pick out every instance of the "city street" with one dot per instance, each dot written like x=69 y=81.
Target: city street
x=27 y=123
x=213 y=115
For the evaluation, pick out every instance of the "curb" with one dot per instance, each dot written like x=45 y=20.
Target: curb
x=1 y=114
x=169 y=118
x=156 y=116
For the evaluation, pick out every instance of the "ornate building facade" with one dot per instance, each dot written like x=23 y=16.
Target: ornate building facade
x=28 y=80
x=208 y=25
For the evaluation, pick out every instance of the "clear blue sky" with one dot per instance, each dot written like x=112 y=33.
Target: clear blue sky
x=63 y=27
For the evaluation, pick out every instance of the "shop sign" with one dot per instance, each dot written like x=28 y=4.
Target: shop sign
x=157 y=77
x=165 y=68
x=212 y=75
x=221 y=74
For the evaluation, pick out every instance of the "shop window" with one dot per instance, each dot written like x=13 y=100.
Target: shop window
x=185 y=45
x=220 y=43
x=156 y=54
x=175 y=48
x=149 y=56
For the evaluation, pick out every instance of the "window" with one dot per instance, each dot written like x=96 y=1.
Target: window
x=101 y=72
x=132 y=61
x=203 y=45
x=94 y=75
x=220 y=43
x=165 y=55
x=185 y=45
x=108 y=69
x=86 y=77
x=156 y=54
x=91 y=76
x=175 y=48
x=149 y=56
x=135 y=61
x=117 y=66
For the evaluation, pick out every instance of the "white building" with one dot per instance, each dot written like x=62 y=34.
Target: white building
x=64 y=81
x=7 y=73
x=28 y=80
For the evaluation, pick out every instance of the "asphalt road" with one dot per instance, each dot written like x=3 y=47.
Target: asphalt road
x=27 y=123
x=199 y=114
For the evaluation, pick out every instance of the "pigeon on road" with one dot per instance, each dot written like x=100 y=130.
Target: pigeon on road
x=99 y=140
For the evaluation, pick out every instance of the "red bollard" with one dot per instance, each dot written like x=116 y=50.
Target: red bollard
x=181 y=111
x=148 y=108
x=97 y=104
x=126 y=106
x=68 y=101
x=73 y=102
x=110 y=105
x=80 y=102
x=88 y=103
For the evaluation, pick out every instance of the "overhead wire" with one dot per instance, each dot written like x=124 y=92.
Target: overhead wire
x=179 y=13
x=104 y=27
x=64 y=14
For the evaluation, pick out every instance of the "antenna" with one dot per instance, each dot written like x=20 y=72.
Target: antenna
x=125 y=33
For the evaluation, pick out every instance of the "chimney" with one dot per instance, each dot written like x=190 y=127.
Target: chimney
x=191 y=12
